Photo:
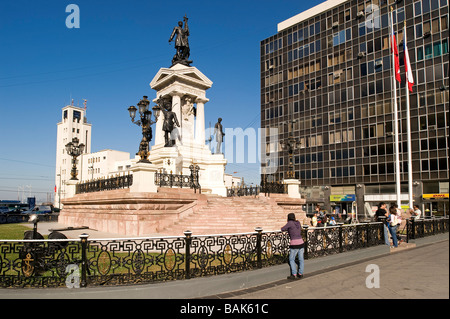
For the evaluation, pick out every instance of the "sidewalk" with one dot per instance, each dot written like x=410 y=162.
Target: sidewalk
x=422 y=272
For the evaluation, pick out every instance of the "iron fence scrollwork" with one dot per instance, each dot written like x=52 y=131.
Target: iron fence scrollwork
x=180 y=180
x=126 y=261
x=104 y=184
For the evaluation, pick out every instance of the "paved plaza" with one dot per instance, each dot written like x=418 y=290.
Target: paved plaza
x=419 y=273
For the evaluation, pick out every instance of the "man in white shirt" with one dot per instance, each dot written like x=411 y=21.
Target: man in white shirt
x=417 y=212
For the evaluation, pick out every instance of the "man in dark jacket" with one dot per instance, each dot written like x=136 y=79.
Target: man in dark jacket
x=380 y=216
x=296 y=245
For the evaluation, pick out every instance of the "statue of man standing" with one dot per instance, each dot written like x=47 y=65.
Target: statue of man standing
x=181 y=43
x=218 y=131
x=170 y=119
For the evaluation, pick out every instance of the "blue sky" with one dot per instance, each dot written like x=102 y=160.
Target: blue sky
x=110 y=61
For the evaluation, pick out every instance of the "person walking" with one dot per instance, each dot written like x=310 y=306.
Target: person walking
x=392 y=224
x=296 y=245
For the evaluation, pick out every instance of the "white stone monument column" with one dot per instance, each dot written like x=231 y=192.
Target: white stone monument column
x=159 y=134
x=293 y=188
x=176 y=107
x=200 y=121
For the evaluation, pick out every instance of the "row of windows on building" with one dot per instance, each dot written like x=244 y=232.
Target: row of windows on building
x=434 y=97
x=423 y=52
x=372 y=22
x=428 y=165
x=379 y=130
x=426 y=52
x=368 y=151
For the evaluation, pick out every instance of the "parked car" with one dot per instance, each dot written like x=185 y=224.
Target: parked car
x=16 y=210
x=39 y=210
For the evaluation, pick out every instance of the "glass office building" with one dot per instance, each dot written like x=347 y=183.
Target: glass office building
x=326 y=80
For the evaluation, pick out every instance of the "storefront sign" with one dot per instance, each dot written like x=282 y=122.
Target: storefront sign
x=435 y=196
x=343 y=198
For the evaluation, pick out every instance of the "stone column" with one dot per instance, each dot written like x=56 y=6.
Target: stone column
x=176 y=107
x=200 y=121
x=159 y=134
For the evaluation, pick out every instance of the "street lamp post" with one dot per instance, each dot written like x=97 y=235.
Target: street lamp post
x=74 y=149
x=145 y=122
x=291 y=144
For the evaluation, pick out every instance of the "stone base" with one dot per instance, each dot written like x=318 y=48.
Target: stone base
x=178 y=158
x=129 y=214
x=171 y=211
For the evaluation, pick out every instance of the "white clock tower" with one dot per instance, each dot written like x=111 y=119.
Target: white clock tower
x=73 y=124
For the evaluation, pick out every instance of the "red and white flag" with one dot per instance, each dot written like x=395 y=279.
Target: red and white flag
x=394 y=50
x=409 y=75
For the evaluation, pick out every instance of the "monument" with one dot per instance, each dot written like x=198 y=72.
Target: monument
x=136 y=204
x=180 y=132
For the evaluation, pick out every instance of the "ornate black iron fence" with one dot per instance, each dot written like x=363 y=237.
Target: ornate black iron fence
x=179 y=180
x=99 y=262
x=273 y=188
x=426 y=227
x=243 y=191
x=116 y=182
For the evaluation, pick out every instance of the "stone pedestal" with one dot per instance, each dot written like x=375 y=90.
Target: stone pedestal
x=71 y=188
x=293 y=188
x=143 y=178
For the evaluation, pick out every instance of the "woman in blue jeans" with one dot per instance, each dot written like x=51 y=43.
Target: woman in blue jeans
x=296 y=245
x=392 y=224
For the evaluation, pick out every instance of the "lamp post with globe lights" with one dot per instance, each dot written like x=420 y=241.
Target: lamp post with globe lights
x=145 y=122
x=74 y=149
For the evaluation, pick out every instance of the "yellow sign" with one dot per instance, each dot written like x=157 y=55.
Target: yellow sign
x=435 y=196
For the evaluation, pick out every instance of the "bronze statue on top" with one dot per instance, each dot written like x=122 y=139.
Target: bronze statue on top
x=181 y=43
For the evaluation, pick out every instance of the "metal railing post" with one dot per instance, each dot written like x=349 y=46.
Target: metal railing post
x=258 y=246
x=305 y=240
x=84 y=262
x=188 y=239
x=340 y=237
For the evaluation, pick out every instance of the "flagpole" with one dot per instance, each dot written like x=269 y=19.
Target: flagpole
x=396 y=148
x=408 y=129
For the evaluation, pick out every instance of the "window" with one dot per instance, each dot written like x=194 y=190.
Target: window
x=400 y=14
x=342 y=36
x=362 y=29
x=417 y=8
x=419 y=54
x=437 y=49
x=425 y=6
x=444 y=23
x=435 y=26
x=434 y=4
x=363 y=69
x=419 y=32
x=428 y=51
x=76 y=116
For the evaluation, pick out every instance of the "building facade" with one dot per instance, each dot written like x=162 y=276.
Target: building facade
x=73 y=124
x=101 y=164
x=326 y=80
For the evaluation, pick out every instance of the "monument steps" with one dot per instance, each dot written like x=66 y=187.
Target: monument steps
x=236 y=215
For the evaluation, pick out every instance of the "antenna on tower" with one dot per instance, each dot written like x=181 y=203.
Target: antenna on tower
x=85 y=107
